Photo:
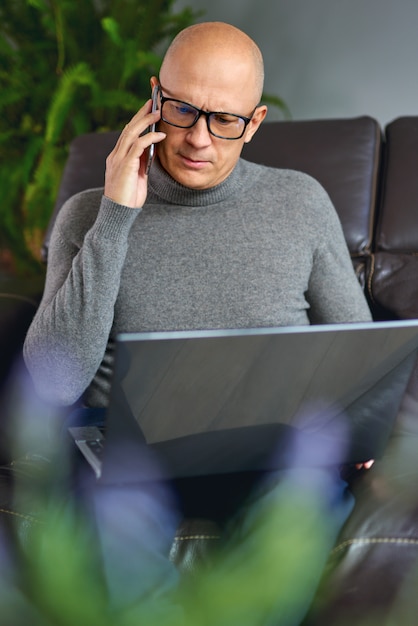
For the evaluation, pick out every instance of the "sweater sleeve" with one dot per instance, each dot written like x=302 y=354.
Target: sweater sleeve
x=334 y=294
x=67 y=339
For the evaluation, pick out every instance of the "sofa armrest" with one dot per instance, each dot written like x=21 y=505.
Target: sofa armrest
x=372 y=573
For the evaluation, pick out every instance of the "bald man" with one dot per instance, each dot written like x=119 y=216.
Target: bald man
x=205 y=241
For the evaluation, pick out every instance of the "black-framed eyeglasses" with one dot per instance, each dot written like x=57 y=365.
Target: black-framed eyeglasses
x=220 y=124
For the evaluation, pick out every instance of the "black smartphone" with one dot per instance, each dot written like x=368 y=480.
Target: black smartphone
x=151 y=149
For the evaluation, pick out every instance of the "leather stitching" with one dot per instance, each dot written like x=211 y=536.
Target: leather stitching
x=25 y=517
x=374 y=540
x=16 y=296
x=188 y=537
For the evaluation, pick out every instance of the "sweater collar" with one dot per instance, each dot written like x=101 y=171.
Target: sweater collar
x=162 y=185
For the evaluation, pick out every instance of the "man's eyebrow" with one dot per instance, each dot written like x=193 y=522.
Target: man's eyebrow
x=220 y=110
x=170 y=93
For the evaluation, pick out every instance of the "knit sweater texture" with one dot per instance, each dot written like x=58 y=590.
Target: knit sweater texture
x=264 y=248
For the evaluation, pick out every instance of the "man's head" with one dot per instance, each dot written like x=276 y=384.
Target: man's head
x=214 y=67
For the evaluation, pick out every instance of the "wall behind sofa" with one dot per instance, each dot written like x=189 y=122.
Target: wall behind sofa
x=331 y=58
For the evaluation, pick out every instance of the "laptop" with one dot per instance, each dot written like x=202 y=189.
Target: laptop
x=193 y=403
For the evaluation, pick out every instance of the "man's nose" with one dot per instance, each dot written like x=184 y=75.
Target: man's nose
x=199 y=134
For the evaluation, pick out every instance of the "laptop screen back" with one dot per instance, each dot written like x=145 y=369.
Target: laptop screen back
x=221 y=401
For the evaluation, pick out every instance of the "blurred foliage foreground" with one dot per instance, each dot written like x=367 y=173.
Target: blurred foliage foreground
x=67 y=68
x=102 y=564
x=95 y=558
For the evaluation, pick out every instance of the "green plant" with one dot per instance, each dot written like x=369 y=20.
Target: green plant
x=67 y=68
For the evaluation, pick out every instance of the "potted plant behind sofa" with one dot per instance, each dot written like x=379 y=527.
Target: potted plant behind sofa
x=66 y=68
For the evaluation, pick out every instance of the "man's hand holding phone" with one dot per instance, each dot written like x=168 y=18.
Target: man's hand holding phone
x=128 y=164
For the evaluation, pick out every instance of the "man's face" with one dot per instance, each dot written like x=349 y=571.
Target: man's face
x=193 y=156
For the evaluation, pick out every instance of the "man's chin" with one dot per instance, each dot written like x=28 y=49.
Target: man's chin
x=193 y=178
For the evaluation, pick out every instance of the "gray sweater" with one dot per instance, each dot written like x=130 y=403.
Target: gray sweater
x=263 y=248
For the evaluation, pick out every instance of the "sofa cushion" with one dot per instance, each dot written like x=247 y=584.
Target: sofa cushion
x=392 y=282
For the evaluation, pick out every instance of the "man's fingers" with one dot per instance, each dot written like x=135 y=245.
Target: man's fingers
x=137 y=126
x=141 y=121
x=365 y=465
x=125 y=179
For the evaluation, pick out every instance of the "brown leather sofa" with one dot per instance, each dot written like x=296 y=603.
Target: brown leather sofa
x=370 y=174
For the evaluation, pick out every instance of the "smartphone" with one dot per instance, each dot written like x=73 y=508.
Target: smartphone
x=151 y=149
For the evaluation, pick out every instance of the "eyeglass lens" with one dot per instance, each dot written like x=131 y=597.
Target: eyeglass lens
x=184 y=115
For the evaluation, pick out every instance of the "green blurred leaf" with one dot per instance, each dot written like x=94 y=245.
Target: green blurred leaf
x=65 y=68
x=111 y=27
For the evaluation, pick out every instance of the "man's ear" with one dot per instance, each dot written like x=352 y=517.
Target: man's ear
x=256 y=120
x=154 y=81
